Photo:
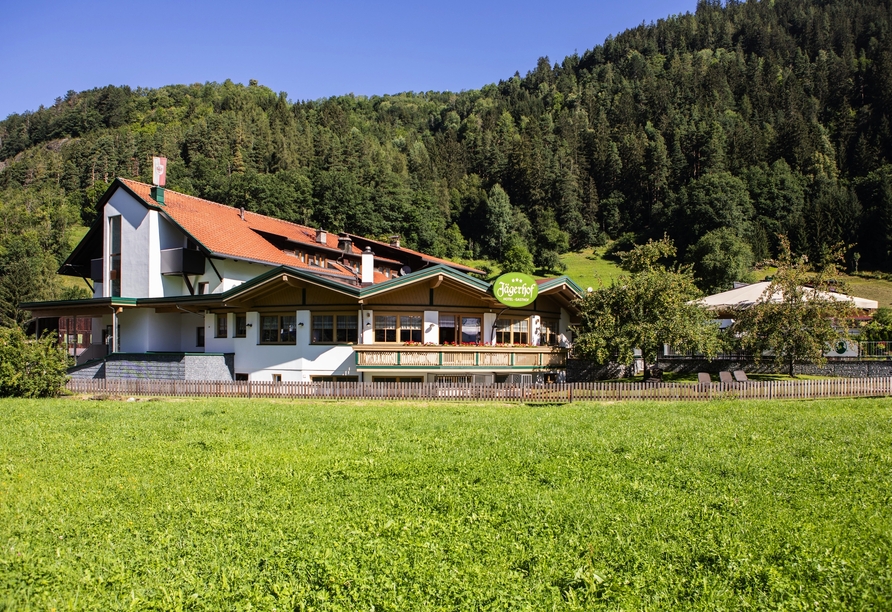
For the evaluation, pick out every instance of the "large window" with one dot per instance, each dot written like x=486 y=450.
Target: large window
x=114 y=255
x=456 y=329
x=222 y=326
x=278 y=329
x=512 y=331
x=385 y=328
x=410 y=328
x=335 y=328
x=398 y=328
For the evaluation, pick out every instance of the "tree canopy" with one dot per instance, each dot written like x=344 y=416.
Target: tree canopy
x=651 y=306
x=798 y=318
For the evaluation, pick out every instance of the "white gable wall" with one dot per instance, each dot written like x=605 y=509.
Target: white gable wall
x=135 y=245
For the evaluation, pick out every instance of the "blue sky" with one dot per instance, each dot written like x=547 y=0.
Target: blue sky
x=309 y=49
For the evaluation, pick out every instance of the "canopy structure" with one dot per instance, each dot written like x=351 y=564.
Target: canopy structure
x=744 y=297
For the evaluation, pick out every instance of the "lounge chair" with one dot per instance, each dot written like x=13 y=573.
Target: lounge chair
x=725 y=378
x=704 y=378
x=740 y=376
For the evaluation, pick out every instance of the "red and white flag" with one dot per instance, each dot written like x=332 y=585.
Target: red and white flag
x=159 y=170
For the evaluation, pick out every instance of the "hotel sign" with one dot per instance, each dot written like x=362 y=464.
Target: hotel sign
x=515 y=290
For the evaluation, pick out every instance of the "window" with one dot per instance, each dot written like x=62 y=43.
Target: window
x=334 y=378
x=277 y=378
x=470 y=330
x=512 y=331
x=410 y=328
x=222 y=321
x=335 y=328
x=385 y=328
x=203 y=288
x=114 y=255
x=241 y=325
x=199 y=336
x=398 y=379
x=447 y=329
x=398 y=328
x=549 y=333
x=278 y=329
x=241 y=377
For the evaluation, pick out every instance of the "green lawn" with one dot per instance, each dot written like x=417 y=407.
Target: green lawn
x=218 y=504
x=588 y=268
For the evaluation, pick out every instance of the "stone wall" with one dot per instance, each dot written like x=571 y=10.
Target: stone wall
x=159 y=366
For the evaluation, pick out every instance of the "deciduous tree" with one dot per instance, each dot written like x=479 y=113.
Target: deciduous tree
x=650 y=306
x=799 y=316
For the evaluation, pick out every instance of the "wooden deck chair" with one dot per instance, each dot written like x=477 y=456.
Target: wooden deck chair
x=703 y=378
x=740 y=376
x=725 y=377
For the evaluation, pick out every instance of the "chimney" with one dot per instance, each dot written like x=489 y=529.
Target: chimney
x=368 y=266
x=241 y=213
x=395 y=241
x=321 y=236
x=345 y=243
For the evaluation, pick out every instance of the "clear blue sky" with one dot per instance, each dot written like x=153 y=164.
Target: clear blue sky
x=309 y=49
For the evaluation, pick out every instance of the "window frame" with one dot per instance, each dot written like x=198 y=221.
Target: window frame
x=280 y=327
x=335 y=328
x=515 y=335
x=401 y=333
x=221 y=332
x=548 y=336
x=459 y=318
x=243 y=332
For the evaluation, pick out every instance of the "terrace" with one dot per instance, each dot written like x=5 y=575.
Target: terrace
x=370 y=356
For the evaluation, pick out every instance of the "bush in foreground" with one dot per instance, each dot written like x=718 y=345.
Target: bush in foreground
x=29 y=367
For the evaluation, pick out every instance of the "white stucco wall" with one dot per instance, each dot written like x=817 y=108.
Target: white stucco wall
x=297 y=362
x=431 y=326
x=135 y=245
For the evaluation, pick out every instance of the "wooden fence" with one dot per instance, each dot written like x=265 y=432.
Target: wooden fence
x=788 y=389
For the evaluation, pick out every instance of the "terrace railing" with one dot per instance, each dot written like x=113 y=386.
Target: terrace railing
x=370 y=356
x=550 y=393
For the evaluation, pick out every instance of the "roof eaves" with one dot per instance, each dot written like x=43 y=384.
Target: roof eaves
x=422 y=275
x=305 y=275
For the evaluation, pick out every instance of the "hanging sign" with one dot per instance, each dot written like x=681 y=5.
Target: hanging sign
x=159 y=170
x=515 y=290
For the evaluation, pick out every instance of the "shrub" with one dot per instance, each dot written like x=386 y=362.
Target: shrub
x=29 y=367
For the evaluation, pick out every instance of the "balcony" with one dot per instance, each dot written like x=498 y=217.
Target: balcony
x=182 y=261
x=372 y=356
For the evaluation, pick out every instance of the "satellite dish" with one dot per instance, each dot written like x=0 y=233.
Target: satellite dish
x=405 y=270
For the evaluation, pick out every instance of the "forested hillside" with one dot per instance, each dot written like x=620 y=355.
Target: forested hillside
x=753 y=118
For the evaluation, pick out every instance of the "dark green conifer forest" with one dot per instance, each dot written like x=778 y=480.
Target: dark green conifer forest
x=750 y=118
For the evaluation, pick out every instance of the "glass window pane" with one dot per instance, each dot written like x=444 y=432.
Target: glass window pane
x=323 y=327
x=289 y=329
x=348 y=328
x=385 y=328
x=470 y=329
x=447 y=329
x=269 y=329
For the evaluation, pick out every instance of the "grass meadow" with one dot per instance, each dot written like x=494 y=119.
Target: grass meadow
x=276 y=505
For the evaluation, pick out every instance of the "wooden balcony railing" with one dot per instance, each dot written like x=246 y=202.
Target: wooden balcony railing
x=464 y=357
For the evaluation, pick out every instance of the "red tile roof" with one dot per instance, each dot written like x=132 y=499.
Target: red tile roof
x=221 y=230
